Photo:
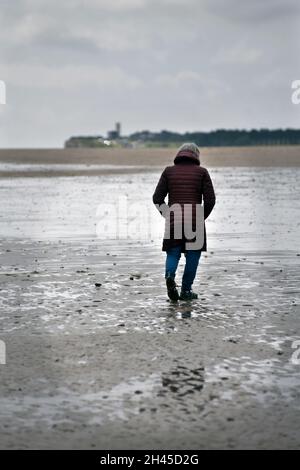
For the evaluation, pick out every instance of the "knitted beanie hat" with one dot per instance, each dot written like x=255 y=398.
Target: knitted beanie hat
x=188 y=152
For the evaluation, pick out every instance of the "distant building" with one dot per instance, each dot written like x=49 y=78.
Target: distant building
x=85 y=142
x=116 y=133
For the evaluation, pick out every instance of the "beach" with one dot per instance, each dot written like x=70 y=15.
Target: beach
x=96 y=355
x=92 y=162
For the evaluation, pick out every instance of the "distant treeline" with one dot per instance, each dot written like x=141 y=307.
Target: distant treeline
x=217 y=138
x=223 y=137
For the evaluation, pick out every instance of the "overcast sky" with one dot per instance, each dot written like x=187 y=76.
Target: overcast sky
x=74 y=67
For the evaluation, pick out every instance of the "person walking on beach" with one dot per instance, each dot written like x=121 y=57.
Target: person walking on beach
x=187 y=184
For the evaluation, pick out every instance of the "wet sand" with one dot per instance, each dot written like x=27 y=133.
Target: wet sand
x=118 y=365
x=92 y=162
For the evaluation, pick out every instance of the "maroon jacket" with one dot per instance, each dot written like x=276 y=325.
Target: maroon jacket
x=186 y=182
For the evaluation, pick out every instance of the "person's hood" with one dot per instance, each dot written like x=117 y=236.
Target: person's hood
x=187 y=156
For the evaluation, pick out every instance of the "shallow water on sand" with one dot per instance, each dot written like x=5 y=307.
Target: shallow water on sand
x=120 y=356
x=257 y=208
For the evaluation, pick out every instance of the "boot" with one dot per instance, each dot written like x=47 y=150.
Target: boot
x=172 y=289
x=188 y=295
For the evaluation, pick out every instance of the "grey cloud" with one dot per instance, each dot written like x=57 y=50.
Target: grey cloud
x=179 y=64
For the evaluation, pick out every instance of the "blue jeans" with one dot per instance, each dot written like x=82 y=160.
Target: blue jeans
x=192 y=258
